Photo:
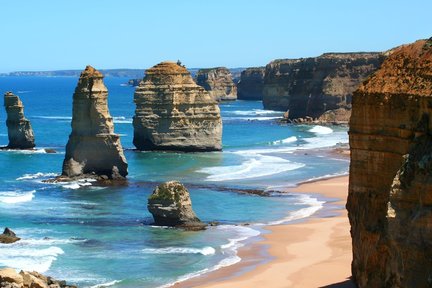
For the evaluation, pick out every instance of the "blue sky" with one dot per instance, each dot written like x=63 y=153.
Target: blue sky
x=60 y=34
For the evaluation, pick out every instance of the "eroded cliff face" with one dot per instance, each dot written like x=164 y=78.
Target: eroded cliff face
x=251 y=84
x=93 y=148
x=20 y=132
x=312 y=86
x=390 y=189
x=218 y=83
x=174 y=113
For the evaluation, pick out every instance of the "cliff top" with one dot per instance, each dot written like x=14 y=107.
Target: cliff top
x=167 y=67
x=331 y=55
x=207 y=70
x=408 y=70
x=90 y=72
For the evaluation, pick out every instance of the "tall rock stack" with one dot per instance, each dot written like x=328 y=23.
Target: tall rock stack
x=218 y=82
x=20 y=132
x=312 y=86
x=251 y=84
x=93 y=148
x=390 y=186
x=174 y=113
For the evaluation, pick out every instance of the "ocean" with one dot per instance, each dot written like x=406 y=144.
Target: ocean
x=92 y=236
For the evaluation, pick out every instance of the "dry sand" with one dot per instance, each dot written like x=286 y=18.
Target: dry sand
x=314 y=253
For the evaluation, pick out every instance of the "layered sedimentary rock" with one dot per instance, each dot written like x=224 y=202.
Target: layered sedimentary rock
x=170 y=205
x=20 y=132
x=390 y=189
x=93 y=148
x=218 y=82
x=251 y=84
x=174 y=113
x=9 y=278
x=312 y=86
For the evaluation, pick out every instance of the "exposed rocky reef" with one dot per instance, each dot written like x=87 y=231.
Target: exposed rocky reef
x=312 y=86
x=251 y=84
x=9 y=278
x=170 y=205
x=20 y=132
x=390 y=187
x=174 y=113
x=93 y=149
x=218 y=82
x=8 y=237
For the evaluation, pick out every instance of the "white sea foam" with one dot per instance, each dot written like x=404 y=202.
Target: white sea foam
x=23 y=92
x=31 y=259
x=321 y=130
x=122 y=120
x=180 y=250
x=36 y=176
x=285 y=141
x=255 y=112
x=107 y=284
x=13 y=197
x=266 y=118
x=30 y=151
x=77 y=184
x=49 y=241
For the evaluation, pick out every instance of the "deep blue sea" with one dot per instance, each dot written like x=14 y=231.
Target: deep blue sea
x=92 y=235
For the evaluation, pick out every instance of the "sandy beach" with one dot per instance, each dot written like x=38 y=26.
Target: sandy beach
x=313 y=253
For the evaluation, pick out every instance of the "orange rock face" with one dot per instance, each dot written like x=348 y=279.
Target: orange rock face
x=390 y=189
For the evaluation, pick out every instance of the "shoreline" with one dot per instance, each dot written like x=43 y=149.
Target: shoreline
x=288 y=254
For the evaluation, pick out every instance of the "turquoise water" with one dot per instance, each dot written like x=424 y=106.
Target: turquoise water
x=92 y=235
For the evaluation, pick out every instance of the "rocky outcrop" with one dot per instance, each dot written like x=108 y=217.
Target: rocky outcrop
x=8 y=237
x=170 y=205
x=93 y=148
x=312 y=86
x=251 y=84
x=9 y=278
x=174 y=113
x=20 y=132
x=390 y=187
x=218 y=82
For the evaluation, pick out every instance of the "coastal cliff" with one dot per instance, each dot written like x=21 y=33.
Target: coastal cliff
x=390 y=191
x=20 y=132
x=251 y=84
x=309 y=87
x=218 y=83
x=93 y=148
x=174 y=113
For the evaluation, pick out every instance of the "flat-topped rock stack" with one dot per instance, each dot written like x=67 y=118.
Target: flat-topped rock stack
x=93 y=148
x=390 y=186
x=218 y=82
x=174 y=113
x=20 y=132
x=251 y=84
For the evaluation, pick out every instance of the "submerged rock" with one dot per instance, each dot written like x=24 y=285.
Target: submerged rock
x=174 y=113
x=170 y=205
x=218 y=82
x=20 y=132
x=390 y=190
x=8 y=237
x=93 y=148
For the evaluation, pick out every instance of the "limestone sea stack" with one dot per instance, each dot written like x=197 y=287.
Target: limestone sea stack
x=174 y=113
x=309 y=87
x=390 y=187
x=170 y=205
x=20 y=132
x=218 y=82
x=93 y=148
x=251 y=84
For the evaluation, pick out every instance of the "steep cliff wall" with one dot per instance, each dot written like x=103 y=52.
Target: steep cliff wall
x=251 y=84
x=390 y=189
x=20 y=132
x=93 y=147
x=218 y=83
x=174 y=113
x=311 y=86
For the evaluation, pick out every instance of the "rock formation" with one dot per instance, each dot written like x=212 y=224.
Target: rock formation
x=174 y=113
x=93 y=148
x=20 y=132
x=9 y=278
x=390 y=190
x=8 y=237
x=312 y=86
x=170 y=205
x=251 y=84
x=218 y=82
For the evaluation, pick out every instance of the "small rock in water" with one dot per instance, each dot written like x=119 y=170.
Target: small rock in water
x=8 y=237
